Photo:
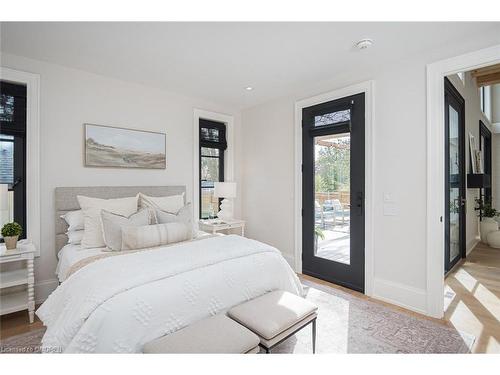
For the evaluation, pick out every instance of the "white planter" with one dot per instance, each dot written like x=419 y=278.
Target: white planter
x=494 y=239
x=487 y=225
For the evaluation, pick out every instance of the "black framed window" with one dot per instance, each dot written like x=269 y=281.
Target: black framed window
x=485 y=148
x=13 y=152
x=212 y=146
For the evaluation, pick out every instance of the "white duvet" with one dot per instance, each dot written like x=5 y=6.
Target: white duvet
x=117 y=304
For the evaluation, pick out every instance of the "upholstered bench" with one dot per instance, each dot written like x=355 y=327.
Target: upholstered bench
x=217 y=334
x=276 y=316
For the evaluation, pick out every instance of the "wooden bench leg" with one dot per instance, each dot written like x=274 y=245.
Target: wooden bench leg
x=314 y=336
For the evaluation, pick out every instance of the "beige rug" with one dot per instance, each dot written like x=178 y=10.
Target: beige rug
x=346 y=324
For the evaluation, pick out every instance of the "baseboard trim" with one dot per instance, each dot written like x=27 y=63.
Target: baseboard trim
x=44 y=288
x=471 y=245
x=402 y=295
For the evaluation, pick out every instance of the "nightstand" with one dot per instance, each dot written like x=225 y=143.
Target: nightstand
x=215 y=225
x=23 y=300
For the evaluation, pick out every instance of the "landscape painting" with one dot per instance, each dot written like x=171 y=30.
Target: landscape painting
x=107 y=146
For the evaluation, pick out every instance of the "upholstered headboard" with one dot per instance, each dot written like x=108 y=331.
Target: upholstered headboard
x=65 y=198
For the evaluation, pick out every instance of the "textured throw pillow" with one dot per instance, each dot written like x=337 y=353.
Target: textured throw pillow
x=112 y=225
x=172 y=203
x=154 y=235
x=75 y=236
x=184 y=216
x=92 y=207
x=74 y=220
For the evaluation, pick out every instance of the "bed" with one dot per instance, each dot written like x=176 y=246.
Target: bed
x=118 y=303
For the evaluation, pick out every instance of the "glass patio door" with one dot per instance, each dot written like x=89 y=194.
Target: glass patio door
x=333 y=191
x=454 y=177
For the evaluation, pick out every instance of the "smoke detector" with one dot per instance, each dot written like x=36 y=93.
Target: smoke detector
x=364 y=43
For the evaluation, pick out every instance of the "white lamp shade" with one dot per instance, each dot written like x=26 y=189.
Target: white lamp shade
x=225 y=189
x=4 y=190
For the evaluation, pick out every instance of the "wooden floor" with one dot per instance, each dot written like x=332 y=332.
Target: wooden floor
x=472 y=301
x=472 y=298
x=16 y=324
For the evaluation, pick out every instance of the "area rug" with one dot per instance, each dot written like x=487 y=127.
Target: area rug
x=348 y=324
x=345 y=324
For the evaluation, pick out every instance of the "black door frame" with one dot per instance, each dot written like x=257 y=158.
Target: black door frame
x=484 y=132
x=453 y=97
x=351 y=276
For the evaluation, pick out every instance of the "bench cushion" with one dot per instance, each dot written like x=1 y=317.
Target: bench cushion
x=217 y=334
x=274 y=313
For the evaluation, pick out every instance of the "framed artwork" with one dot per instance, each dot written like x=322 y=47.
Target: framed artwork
x=108 y=146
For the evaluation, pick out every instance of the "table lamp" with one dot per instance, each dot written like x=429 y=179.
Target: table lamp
x=226 y=190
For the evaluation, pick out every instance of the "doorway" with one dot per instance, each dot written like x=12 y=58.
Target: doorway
x=333 y=191
x=455 y=201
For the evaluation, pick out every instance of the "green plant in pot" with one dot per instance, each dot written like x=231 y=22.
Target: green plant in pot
x=10 y=234
x=487 y=213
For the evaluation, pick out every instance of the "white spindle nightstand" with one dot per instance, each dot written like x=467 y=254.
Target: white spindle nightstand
x=216 y=225
x=23 y=300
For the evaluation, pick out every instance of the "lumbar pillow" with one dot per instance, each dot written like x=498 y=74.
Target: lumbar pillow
x=172 y=203
x=92 y=207
x=75 y=236
x=154 y=235
x=112 y=225
x=184 y=216
x=74 y=220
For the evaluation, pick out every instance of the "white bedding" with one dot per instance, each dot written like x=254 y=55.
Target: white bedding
x=69 y=255
x=117 y=304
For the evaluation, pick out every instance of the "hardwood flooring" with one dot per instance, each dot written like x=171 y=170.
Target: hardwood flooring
x=472 y=301
x=17 y=323
x=472 y=298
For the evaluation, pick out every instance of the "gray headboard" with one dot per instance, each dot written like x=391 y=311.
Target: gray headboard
x=65 y=198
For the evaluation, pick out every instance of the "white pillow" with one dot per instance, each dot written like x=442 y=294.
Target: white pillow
x=75 y=236
x=112 y=225
x=74 y=220
x=153 y=235
x=92 y=237
x=184 y=216
x=171 y=203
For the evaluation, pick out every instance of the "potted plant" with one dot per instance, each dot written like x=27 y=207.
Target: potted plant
x=487 y=213
x=10 y=234
x=318 y=233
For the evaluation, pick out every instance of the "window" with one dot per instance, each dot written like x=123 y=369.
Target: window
x=212 y=146
x=485 y=100
x=13 y=154
x=332 y=118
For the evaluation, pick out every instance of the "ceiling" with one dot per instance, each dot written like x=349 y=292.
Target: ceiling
x=216 y=61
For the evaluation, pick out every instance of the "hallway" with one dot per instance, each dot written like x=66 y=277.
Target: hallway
x=472 y=298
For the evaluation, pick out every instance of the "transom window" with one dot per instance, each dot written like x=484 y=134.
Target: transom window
x=332 y=118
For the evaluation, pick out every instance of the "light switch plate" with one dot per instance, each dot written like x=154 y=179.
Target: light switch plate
x=391 y=209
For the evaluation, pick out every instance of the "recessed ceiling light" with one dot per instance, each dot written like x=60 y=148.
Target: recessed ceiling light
x=364 y=43
x=249 y=88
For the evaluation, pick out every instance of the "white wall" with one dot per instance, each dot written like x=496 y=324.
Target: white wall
x=470 y=92
x=399 y=169
x=70 y=98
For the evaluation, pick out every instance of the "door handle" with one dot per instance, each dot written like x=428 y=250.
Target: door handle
x=16 y=182
x=359 y=203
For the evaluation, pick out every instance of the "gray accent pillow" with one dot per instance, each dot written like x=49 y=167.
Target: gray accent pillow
x=184 y=216
x=112 y=225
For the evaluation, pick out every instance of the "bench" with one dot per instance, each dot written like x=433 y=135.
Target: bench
x=276 y=316
x=217 y=334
